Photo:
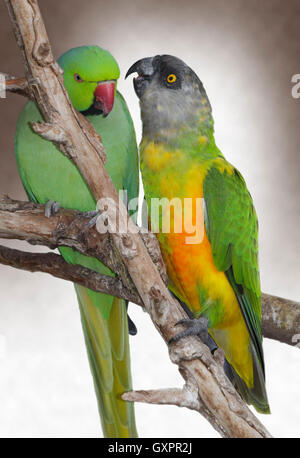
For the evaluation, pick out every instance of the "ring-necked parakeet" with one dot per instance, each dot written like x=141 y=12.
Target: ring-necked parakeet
x=90 y=77
x=217 y=277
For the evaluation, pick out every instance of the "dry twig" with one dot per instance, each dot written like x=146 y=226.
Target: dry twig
x=17 y=85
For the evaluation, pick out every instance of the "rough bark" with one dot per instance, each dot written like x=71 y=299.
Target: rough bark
x=16 y=85
x=281 y=319
x=55 y=265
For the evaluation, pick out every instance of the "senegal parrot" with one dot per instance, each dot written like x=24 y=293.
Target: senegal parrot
x=90 y=77
x=216 y=274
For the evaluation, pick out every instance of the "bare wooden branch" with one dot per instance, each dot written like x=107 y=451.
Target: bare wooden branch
x=171 y=396
x=219 y=402
x=55 y=265
x=281 y=319
x=17 y=85
x=27 y=221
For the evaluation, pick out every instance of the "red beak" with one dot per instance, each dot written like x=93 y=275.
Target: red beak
x=105 y=96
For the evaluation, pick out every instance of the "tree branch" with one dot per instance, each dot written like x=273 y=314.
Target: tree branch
x=204 y=377
x=68 y=228
x=55 y=265
x=281 y=319
x=17 y=85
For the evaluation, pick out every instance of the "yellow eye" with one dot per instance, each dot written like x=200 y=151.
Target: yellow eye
x=171 y=78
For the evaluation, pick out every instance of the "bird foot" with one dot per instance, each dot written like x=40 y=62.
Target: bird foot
x=51 y=208
x=93 y=215
x=193 y=327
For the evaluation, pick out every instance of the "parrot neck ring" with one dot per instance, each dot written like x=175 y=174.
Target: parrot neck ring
x=104 y=96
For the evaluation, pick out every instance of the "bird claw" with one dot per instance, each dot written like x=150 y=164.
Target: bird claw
x=188 y=322
x=51 y=208
x=199 y=327
x=93 y=215
x=194 y=327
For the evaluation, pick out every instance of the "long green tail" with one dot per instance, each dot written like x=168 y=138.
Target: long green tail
x=107 y=342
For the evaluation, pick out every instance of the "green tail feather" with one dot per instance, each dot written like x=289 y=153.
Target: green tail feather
x=107 y=343
x=257 y=395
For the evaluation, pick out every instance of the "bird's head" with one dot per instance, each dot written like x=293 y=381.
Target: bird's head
x=90 y=77
x=171 y=94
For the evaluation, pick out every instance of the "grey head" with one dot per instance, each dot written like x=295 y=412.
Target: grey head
x=171 y=96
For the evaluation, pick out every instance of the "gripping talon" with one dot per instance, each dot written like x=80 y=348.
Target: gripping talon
x=94 y=216
x=51 y=208
x=185 y=322
x=194 y=327
x=92 y=213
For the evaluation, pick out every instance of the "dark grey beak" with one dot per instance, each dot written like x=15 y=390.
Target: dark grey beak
x=142 y=67
x=145 y=70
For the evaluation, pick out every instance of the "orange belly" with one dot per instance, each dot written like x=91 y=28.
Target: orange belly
x=193 y=276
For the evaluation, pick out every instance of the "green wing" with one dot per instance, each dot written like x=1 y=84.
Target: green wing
x=232 y=228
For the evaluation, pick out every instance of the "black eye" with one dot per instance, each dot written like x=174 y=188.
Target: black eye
x=77 y=78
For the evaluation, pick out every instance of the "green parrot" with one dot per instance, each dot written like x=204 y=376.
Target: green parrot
x=212 y=261
x=49 y=177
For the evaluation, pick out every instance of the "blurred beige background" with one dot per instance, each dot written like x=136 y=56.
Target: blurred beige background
x=245 y=52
